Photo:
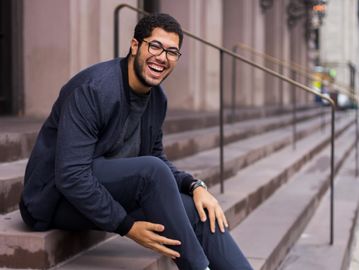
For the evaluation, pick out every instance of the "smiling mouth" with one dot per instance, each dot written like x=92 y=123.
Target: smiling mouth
x=156 y=68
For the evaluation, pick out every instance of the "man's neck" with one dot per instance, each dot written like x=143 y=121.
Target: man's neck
x=133 y=81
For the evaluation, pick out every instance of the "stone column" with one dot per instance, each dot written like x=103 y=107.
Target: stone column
x=259 y=87
x=237 y=27
x=284 y=43
x=198 y=69
x=213 y=33
x=63 y=37
x=273 y=48
x=84 y=33
x=46 y=53
x=180 y=86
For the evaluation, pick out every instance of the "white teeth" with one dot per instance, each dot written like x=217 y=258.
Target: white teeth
x=157 y=68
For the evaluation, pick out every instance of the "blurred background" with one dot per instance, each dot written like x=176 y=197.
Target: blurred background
x=268 y=147
x=44 y=43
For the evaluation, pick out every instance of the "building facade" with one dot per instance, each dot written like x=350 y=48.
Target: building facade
x=340 y=40
x=45 y=42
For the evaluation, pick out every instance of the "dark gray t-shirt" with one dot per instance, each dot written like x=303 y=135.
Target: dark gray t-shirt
x=132 y=137
x=129 y=145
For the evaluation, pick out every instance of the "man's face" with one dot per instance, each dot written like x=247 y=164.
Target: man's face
x=151 y=70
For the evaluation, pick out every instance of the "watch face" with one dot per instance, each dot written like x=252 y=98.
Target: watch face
x=197 y=184
x=202 y=184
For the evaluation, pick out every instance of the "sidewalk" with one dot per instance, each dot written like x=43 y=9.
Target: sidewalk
x=354 y=263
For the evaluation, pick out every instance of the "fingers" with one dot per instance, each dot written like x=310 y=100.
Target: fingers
x=146 y=234
x=215 y=213
x=155 y=227
x=212 y=220
x=201 y=212
x=221 y=220
x=225 y=220
x=204 y=200
x=166 y=251
x=159 y=241
x=166 y=241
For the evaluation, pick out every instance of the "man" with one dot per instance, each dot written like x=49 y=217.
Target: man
x=98 y=162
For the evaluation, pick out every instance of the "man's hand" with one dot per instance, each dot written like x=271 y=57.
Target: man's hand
x=146 y=234
x=204 y=200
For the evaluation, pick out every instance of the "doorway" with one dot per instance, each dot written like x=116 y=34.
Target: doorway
x=11 y=66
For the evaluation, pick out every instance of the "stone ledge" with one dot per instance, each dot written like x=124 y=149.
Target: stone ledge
x=279 y=221
x=22 y=248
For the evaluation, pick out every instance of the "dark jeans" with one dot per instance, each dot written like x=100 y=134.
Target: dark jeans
x=146 y=188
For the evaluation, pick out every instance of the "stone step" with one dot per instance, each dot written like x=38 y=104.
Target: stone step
x=238 y=155
x=21 y=248
x=312 y=251
x=13 y=233
x=11 y=184
x=17 y=137
x=354 y=249
x=11 y=176
x=242 y=195
x=18 y=134
x=279 y=221
x=182 y=144
x=179 y=121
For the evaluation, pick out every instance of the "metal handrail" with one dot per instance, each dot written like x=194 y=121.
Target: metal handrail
x=294 y=67
x=291 y=66
x=223 y=51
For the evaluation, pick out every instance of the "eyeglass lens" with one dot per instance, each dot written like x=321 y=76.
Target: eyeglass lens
x=156 y=49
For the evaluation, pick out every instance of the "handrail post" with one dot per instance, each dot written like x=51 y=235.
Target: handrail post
x=116 y=44
x=332 y=178
x=294 y=101
x=322 y=113
x=116 y=27
x=281 y=86
x=322 y=108
x=234 y=84
x=221 y=135
x=356 y=140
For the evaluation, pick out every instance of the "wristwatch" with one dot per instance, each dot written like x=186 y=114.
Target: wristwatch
x=196 y=184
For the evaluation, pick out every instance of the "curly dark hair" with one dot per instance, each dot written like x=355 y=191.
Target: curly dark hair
x=146 y=25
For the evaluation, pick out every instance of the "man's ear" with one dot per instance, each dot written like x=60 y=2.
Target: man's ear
x=134 y=46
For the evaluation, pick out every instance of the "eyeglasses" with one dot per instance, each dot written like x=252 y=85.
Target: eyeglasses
x=156 y=48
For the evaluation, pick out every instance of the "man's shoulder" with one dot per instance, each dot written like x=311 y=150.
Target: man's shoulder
x=104 y=78
x=98 y=73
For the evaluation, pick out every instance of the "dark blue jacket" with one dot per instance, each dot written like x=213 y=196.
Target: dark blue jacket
x=85 y=123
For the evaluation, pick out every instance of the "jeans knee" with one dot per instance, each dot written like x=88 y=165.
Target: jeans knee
x=191 y=209
x=156 y=172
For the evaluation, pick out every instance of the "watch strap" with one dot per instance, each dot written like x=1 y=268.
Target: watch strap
x=196 y=184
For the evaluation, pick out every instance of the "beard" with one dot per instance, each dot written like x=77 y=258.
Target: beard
x=139 y=67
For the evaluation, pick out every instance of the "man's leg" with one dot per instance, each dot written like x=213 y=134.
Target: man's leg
x=147 y=183
x=220 y=248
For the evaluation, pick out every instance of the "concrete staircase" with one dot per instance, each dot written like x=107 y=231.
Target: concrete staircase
x=259 y=162
x=312 y=251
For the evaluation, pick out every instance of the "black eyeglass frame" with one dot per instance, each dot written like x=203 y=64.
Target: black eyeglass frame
x=159 y=44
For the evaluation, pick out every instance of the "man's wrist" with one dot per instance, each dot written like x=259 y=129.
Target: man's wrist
x=125 y=225
x=197 y=184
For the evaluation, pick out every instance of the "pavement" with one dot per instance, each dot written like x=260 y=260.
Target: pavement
x=312 y=251
x=354 y=258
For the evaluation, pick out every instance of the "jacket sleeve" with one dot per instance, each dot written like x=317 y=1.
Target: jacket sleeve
x=80 y=122
x=184 y=179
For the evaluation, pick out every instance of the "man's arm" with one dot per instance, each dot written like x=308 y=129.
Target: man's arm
x=80 y=122
x=184 y=179
x=203 y=200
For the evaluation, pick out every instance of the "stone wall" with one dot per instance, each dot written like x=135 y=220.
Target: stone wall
x=64 y=36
